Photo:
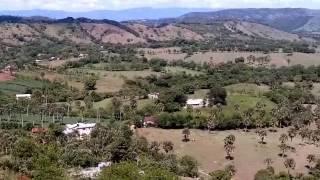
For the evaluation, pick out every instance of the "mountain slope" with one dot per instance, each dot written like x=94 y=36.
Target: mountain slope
x=18 y=30
x=286 y=19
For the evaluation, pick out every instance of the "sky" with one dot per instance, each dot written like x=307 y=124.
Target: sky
x=89 y=5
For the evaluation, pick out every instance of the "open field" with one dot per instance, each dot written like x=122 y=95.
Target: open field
x=245 y=88
x=51 y=75
x=109 y=81
x=57 y=63
x=171 y=69
x=277 y=59
x=107 y=102
x=19 y=85
x=249 y=155
x=112 y=81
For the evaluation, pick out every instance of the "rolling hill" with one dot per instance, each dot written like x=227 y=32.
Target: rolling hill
x=297 y=20
x=18 y=30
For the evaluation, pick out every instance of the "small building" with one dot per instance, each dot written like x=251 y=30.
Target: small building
x=23 y=96
x=150 y=121
x=153 y=96
x=196 y=103
x=83 y=55
x=83 y=129
x=38 y=61
x=52 y=58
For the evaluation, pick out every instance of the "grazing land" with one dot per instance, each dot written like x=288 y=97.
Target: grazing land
x=277 y=59
x=249 y=155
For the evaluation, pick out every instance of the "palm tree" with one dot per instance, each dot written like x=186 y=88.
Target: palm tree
x=229 y=148
x=283 y=138
x=283 y=147
x=268 y=162
x=292 y=132
x=290 y=164
x=262 y=134
x=311 y=158
x=186 y=134
x=167 y=146
x=304 y=133
x=229 y=145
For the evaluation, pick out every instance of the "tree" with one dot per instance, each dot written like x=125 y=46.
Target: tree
x=283 y=138
x=154 y=147
x=262 y=134
x=186 y=134
x=90 y=83
x=290 y=164
x=229 y=145
x=311 y=158
x=217 y=95
x=188 y=166
x=268 y=162
x=292 y=132
x=47 y=165
x=167 y=146
x=265 y=174
x=283 y=147
x=304 y=133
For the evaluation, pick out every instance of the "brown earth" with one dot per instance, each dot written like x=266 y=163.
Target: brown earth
x=6 y=77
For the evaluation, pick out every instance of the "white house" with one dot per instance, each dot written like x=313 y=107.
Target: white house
x=196 y=103
x=23 y=96
x=153 y=96
x=83 y=129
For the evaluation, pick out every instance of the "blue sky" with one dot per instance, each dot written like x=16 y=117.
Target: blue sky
x=88 y=5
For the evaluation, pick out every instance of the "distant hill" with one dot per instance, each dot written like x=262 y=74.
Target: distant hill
x=285 y=19
x=117 y=15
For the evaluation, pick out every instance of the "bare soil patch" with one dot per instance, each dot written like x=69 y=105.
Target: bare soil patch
x=6 y=77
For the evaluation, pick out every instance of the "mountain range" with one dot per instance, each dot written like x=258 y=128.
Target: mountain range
x=232 y=24
x=286 y=19
x=117 y=15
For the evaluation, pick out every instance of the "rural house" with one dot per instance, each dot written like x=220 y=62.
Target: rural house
x=23 y=96
x=153 y=96
x=197 y=103
x=83 y=129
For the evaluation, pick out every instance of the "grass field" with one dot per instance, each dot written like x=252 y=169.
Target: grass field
x=112 y=81
x=19 y=85
x=249 y=89
x=171 y=69
x=107 y=102
x=109 y=81
x=278 y=59
x=249 y=155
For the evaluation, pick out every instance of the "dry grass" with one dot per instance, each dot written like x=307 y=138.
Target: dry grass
x=249 y=155
x=277 y=59
x=112 y=81
x=51 y=75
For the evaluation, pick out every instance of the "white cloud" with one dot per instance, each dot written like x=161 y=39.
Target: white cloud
x=86 y=5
